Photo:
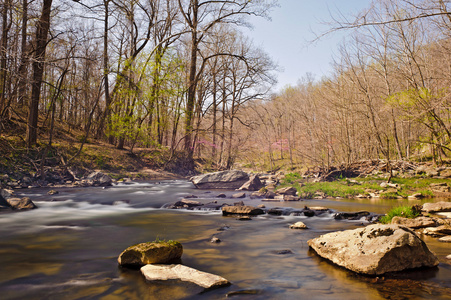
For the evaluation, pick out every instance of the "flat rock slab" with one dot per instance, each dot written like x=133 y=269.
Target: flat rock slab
x=184 y=273
x=438 y=231
x=437 y=207
x=420 y=222
x=375 y=249
x=445 y=239
x=241 y=210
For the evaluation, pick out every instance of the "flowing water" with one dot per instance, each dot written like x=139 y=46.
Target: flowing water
x=68 y=249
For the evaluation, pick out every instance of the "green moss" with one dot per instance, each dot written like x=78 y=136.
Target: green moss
x=400 y=211
x=164 y=241
x=263 y=190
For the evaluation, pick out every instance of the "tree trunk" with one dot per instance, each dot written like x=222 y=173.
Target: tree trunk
x=42 y=29
x=3 y=54
x=22 y=84
x=106 y=118
x=192 y=86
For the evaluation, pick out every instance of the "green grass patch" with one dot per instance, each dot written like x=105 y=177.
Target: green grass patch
x=400 y=211
x=348 y=188
x=340 y=188
x=292 y=178
x=390 y=195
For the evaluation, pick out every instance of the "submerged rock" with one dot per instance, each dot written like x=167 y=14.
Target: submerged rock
x=150 y=253
x=184 y=273
x=233 y=179
x=375 y=249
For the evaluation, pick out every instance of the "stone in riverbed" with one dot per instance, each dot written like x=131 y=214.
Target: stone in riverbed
x=239 y=195
x=375 y=249
x=215 y=240
x=351 y=215
x=298 y=225
x=6 y=193
x=287 y=191
x=438 y=231
x=241 y=210
x=184 y=273
x=21 y=203
x=100 y=179
x=233 y=179
x=437 y=207
x=150 y=253
x=52 y=192
x=254 y=184
x=3 y=203
x=185 y=203
x=420 y=222
x=445 y=239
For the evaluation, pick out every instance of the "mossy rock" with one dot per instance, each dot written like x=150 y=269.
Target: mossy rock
x=151 y=253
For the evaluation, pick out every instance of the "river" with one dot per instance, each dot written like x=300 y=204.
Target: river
x=68 y=248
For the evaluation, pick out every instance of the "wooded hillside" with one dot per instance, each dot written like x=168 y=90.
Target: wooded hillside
x=178 y=75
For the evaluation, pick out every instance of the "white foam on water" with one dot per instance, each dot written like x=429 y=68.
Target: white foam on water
x=61 y=211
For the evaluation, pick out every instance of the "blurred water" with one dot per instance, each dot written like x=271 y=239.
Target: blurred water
x=68 y=248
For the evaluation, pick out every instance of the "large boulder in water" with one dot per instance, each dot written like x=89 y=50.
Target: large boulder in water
x=184 y=273
x=375 y=249
x=232 y=179
x=150 y=253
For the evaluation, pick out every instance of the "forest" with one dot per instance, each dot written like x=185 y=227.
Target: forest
x=180 y=77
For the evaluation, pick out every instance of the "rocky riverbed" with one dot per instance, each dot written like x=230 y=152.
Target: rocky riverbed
x=263 y=256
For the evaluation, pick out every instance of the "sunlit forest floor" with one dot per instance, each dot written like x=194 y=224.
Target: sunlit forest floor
x=62 y=151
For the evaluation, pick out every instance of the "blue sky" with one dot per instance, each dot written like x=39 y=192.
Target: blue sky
x=286 y=38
